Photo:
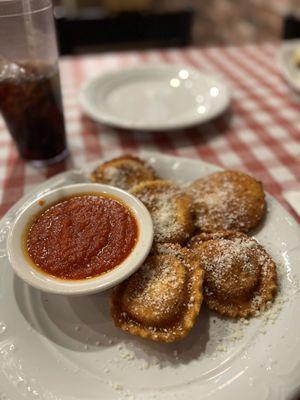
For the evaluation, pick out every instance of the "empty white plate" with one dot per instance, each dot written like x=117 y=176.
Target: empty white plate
x=154 y=97
x=286 y=59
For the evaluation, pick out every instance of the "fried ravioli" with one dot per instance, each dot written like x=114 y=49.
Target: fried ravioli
x=170 y=209
x=240 y=276
x=162 y=300
x=227 y=200
x=123 y=172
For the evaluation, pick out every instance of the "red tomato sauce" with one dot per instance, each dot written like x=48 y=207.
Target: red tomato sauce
x=82 y=237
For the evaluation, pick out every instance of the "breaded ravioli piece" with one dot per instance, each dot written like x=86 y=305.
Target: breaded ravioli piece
x=227 y=200
x=123 y=172
x=240 y=276
x=170 y=208
x=162 y=300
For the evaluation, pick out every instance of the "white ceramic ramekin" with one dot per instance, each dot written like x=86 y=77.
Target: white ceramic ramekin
x=40 y=280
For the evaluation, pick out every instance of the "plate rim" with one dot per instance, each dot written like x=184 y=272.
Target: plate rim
x=111 y=121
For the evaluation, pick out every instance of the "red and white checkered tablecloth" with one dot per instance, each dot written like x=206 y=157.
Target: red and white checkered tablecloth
x=261 y=135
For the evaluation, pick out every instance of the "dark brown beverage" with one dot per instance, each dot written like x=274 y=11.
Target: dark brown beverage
x=30 y=102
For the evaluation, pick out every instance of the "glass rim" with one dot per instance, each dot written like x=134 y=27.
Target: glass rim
x=16 y=8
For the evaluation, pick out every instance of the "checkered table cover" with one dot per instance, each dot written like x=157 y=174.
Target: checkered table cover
x=261 y=134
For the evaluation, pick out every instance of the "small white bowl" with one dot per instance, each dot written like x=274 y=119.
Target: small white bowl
x=40 y=280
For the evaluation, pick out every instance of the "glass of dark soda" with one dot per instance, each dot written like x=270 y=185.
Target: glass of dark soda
x=30 y=94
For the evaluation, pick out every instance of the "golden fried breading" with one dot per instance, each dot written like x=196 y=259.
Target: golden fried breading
x=145 y=305
x=123 y=172
x=163 y=298
x=240 y=276
x=227 y=200
x=170 y=209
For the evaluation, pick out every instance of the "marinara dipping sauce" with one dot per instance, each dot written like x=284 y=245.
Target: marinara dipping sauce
x=82 y=236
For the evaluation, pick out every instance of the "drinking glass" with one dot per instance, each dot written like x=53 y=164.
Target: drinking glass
x=30 y=94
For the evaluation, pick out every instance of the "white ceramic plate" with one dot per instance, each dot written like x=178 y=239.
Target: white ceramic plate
x=154 y=97
x=66 y=348
x=287 y=65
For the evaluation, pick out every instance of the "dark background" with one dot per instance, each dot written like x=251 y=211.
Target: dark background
x=86 y=26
